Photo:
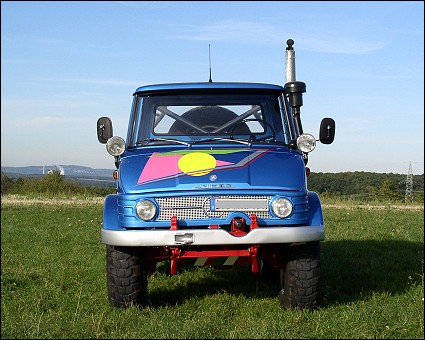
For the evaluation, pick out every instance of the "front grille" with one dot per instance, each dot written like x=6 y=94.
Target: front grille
x=198 y=207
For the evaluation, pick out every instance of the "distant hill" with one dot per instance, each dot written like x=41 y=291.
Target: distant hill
x=69 y=170
x=82 y=174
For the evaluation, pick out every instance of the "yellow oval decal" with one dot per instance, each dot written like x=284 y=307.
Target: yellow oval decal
x=197 y=163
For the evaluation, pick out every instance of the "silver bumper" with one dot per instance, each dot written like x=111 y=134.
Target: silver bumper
x=148 y=238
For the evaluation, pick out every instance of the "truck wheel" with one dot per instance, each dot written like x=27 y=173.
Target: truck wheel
x=127 y=282
x=300 y=280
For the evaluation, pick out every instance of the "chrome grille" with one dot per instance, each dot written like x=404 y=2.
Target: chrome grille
x=198 y=207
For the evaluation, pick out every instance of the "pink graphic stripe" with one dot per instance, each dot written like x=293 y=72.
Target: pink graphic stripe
x=158 y=167
x=222 y=163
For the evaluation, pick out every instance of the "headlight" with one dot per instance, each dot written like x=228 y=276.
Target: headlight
x=306 y=142
x=115 y=146
x=282 y=207
x=146 y=210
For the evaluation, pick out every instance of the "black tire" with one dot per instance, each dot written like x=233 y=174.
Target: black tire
x=300 y=280
x=127 y=282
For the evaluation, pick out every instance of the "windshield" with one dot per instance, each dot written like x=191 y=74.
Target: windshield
x=212 y=116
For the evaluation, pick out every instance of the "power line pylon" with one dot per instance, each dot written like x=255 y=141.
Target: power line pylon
x=409 y=186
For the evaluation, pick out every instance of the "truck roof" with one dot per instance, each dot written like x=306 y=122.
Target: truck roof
x=206 y=86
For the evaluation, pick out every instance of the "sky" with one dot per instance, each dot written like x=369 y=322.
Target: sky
x=64 y=64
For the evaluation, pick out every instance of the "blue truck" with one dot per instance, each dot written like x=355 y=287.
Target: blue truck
x=214 y=174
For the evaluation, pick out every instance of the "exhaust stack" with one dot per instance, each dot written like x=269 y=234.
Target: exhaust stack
x=290 y=61
x=293 y=88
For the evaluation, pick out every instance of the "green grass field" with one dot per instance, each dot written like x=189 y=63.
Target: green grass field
x=53 y=282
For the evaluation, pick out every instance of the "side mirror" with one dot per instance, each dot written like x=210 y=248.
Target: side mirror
x=104 y=129
x=327 y=131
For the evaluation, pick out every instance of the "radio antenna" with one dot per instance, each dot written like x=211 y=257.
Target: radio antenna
x=209 y=55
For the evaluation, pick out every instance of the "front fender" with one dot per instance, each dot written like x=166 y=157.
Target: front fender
x=110 y=212
x=315 y=214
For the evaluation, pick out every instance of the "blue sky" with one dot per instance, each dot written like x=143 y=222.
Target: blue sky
x=65 y=64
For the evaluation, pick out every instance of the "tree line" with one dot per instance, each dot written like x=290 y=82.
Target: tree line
x=359 y=183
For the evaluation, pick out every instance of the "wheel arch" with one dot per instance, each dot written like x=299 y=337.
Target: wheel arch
x=110 y=212
x=315 y=213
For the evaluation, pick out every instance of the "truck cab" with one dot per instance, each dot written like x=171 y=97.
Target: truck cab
x=214 y=174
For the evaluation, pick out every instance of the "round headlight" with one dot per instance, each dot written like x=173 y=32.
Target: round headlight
x=146 y=210
x=306 y=142
x=282 y=207
x=115 y=146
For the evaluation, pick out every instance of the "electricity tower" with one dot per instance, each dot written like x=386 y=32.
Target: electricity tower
x=409 y=186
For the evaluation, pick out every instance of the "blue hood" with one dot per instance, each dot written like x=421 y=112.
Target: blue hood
x=167 y=169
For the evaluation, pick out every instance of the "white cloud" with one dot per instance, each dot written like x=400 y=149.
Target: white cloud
x=107 y=82
x=334 y=44
x=232 y=30
x=264 y=33
x=52 y=120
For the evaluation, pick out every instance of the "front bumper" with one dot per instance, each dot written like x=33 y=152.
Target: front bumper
x=263 y=235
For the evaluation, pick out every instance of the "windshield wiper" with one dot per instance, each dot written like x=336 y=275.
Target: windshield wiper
x=247 y=142
x=241 y=141
x=170 y=140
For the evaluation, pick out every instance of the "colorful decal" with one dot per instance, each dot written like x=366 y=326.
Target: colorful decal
x=167 y=165
x=197 y=163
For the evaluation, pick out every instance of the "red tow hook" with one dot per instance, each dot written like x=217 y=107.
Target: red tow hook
x=175 y=253
x=174 y=223
x=254 y=224
x=238 y=227
x=253 y=250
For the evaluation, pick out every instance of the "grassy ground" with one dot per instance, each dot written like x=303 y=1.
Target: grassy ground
x=53 y=282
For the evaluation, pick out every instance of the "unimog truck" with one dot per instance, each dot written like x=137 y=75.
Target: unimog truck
x=214 y=174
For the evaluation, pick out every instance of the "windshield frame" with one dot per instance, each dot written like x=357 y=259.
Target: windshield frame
x=141 y=126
